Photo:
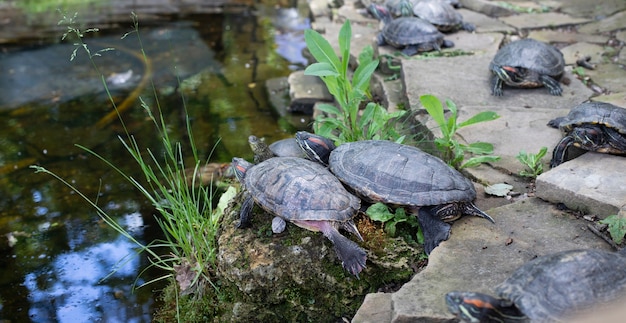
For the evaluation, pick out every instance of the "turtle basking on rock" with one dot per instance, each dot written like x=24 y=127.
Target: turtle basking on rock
x=527 y=63
x=306 y=194
x=551 y=288
x=399 y=175
x=592 y=126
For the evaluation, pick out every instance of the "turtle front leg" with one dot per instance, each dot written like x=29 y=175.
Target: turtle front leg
x=433 y=228
x=496 y=85
x=560 y=151
x=553 y=85
x=617 y=140
x=352 y=257
x=246 y=211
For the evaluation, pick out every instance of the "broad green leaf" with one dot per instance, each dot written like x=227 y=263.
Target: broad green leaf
x=362 y=76
x=435 y=110
x=390 y=228
x=480 y=117
x=379 y=212
x=366 y=55
x=617 y=227
x=320 y=69
x=328 y=108
x=475 y=161
x=368 y=114
x=482 y=148
x=321 y=49
x=345 y=34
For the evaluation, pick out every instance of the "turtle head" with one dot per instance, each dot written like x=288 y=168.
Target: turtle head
x=478 y=307
x=315 y=147
x=589 y=137
x=380 y=12
x=509 y=74
x=240 y=166
x=255 y=143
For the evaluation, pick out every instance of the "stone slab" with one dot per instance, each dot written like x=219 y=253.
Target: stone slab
x=593 y=183
x=542 y=20
x=479 y=255
x=565 y=36
x=579 y=50
x=466 y=82
x=484 y=23
x=592 y=9
x=614 y=22
x=609 y=76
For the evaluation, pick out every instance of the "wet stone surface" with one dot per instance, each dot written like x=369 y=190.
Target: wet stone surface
x=479 y=255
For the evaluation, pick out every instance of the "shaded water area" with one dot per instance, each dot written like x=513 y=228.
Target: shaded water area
x=55 y=250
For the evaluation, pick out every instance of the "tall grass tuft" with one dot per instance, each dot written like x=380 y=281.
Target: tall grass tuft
x=186 y=213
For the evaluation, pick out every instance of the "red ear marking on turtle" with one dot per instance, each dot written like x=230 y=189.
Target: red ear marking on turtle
x=319 y=141
x=510 y=69
x=477 y=303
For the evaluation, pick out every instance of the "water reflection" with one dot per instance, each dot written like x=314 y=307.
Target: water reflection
x=54 y=249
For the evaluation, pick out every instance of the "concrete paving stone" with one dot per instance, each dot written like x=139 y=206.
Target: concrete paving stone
x=614 y=22
x=621 y=36
x=480 y=255
x=579 y=50
x=565 y=36
x=485 y=23
x=541 y=20
x=593 y=183
x=592 y=9
x=471 y=85
x=363 y=35
x=609 y=76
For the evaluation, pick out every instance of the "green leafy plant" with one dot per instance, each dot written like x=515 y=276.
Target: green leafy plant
x=617 y=227
x=532 y=162
x=345 y=123
x=381 y=212
x=187 y=218
x=453 y=152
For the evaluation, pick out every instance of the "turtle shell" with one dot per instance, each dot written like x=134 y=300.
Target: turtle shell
x=601 y=113
x=405 y=31
x=438 y=13
x=299 y=189
x=559 y=285
x=531 y=54
x=384 y=171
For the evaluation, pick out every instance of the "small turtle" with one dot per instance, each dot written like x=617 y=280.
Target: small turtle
x=410 y=34
x=441 y=14
x=281 y=148
x=593 y=126
x=527 y=63
x=306 y=194
x=548 y=289
x=399 y=175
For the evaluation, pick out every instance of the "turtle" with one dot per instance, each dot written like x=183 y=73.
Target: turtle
x=593 y=126
x=527 y=63
x=441 y=14
x=399 y=175
x=306 y=194
x=281 y=148
x=410 y=34
x=548 y=288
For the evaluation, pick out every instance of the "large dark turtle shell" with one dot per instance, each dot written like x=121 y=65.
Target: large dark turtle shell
x=531 y=54
x=600 y=113
x=298 y=189
x=559 y=285
x=405 y=31
x=384 y=171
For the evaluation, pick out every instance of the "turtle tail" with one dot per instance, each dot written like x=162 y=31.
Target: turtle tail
x=351 y=255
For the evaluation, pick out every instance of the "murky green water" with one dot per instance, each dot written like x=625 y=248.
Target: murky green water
x=55 y=249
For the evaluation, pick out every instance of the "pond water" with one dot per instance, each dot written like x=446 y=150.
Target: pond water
x=56 y=253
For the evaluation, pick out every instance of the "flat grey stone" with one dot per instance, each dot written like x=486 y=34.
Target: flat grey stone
x=542 y=20
x=592 y=9
x=480 y=255
x=615 y=22
x=579 y=50
x=305 y=90
x=467 y=83
x=488 y=8
x=618 y=99
x=564 y=36
x=485 y=23
x=593 y=183
x=609 y=76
